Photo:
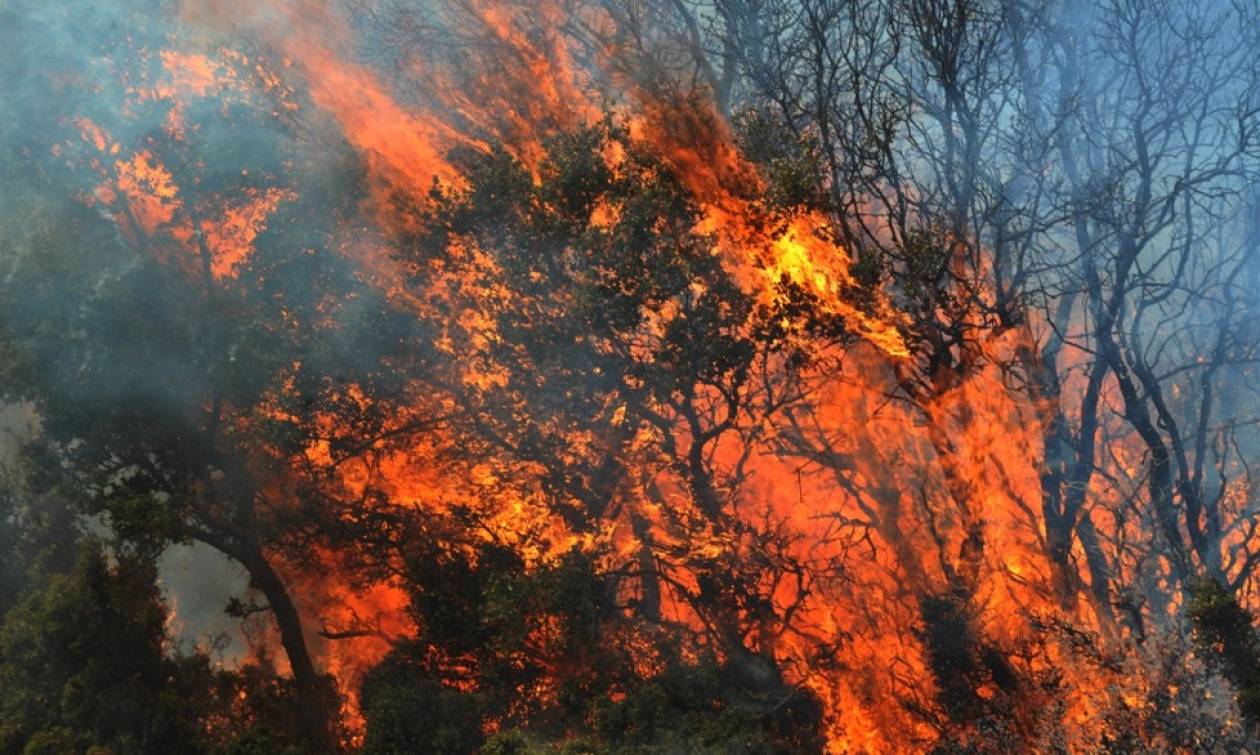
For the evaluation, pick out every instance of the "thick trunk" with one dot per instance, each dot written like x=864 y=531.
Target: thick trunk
x=312 y=691
x=314 y=696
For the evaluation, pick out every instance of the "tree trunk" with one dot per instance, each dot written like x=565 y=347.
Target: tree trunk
x=311 y=688
x=314 y=696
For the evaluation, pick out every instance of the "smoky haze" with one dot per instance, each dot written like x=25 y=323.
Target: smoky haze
x=896 y=359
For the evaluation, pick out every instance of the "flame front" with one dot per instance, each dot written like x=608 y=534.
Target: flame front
x=881 y=507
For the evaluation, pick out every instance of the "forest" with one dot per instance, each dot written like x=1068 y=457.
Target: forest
x=569 y=377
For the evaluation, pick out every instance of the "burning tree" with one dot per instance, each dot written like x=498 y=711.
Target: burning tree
x=638 y=376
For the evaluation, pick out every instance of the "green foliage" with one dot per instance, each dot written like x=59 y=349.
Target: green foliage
x=924 y=257
x=86 y=664
x=789 y=159
x=168 y=395
x=686 y=708
x=1183 y=710
x=83 y=660
x=407 y=712
x=1225 y=634
x=488 y=624
x=492 y=632
x=601 y=325
x=699 y=708
x=254 y=710
x=260 y=741
x=611 y=317
x=38 y=531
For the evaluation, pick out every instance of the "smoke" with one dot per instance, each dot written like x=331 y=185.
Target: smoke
x=205 y=204
x=88 y=90
x=199 y=583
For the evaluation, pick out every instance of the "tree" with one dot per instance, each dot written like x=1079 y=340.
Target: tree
x=1072 y=172
x=183 y=369
x=84 y=663
x=597 y=348
x=548 y=658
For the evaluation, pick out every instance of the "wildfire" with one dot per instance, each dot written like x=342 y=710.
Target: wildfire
x=914 y=498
